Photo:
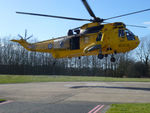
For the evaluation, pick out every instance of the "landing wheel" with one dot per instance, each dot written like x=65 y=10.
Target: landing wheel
x=100 y=56
x=112 y=59
x=106 y=55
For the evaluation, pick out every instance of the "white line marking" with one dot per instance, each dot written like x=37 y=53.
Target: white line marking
x=99 y=109
x=94 y=109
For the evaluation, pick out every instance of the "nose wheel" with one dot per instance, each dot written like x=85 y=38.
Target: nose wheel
x=100 y=56
x=112 y=59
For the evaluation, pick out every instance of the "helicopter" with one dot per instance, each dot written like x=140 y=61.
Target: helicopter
x=97 y=37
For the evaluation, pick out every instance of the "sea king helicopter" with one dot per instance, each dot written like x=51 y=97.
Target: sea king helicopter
x=95 y=38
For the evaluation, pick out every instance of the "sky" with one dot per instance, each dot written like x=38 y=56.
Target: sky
x=43 y=28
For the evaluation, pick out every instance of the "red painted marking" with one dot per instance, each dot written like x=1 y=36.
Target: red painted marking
x=6 y=102
x=99 y=109
x=94 y=109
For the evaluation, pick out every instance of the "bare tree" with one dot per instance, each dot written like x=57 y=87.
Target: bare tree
x=143 y=53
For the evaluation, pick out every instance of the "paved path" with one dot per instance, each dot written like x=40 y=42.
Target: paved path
x=71 y=97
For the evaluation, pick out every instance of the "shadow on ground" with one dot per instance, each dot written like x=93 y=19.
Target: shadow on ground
x=112 y=87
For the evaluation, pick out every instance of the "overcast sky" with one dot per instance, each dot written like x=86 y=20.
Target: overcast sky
x=46 y=28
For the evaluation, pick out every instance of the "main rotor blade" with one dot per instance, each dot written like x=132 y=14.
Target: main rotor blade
x=136 y=26
x=61 y=17
x=128 y=25
x=89 y=9
x=128 y=14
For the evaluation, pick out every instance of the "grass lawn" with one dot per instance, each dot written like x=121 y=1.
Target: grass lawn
x=129 y=108
x=26 y=78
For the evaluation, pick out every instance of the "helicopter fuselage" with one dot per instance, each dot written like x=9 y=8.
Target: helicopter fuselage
x=89 y=39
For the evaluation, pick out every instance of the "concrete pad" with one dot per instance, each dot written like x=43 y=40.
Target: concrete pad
x=81 y=97
x=78 y=91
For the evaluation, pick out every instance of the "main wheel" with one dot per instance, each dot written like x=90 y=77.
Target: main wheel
x=100 y=56
x=112 y=59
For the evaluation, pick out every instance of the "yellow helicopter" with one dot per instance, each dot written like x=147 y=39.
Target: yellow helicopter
x=95 y=38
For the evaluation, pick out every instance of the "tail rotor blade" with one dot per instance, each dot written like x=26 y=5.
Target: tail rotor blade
x=29 y=37
x=25 y=35
x=20 y=36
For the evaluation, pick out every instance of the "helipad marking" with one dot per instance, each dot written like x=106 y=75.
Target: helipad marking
x=96 y=109
x=99 y=109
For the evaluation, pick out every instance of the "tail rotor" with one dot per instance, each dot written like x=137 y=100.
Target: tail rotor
x=25 y=36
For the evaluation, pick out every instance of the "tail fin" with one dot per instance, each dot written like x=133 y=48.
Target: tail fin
x=18 y=41
x=23 y=43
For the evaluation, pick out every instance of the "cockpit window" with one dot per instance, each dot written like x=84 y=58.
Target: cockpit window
x=121 y=33
x=95 y=29
x=130 y=35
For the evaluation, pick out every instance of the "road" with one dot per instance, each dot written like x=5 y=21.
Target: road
x=71 y=97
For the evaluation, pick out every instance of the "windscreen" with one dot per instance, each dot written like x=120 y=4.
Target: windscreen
x=130 y=35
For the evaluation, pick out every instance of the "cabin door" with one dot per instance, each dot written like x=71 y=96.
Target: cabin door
x=75 y=43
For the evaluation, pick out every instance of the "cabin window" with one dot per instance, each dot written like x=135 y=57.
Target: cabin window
x=130 y=35
x=94 y=29
x=99 y=37
x=121 y=33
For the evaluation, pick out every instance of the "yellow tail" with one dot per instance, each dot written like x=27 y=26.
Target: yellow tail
x=24 y=43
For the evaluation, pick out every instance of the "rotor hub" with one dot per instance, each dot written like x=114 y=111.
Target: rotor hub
x=97 y=19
